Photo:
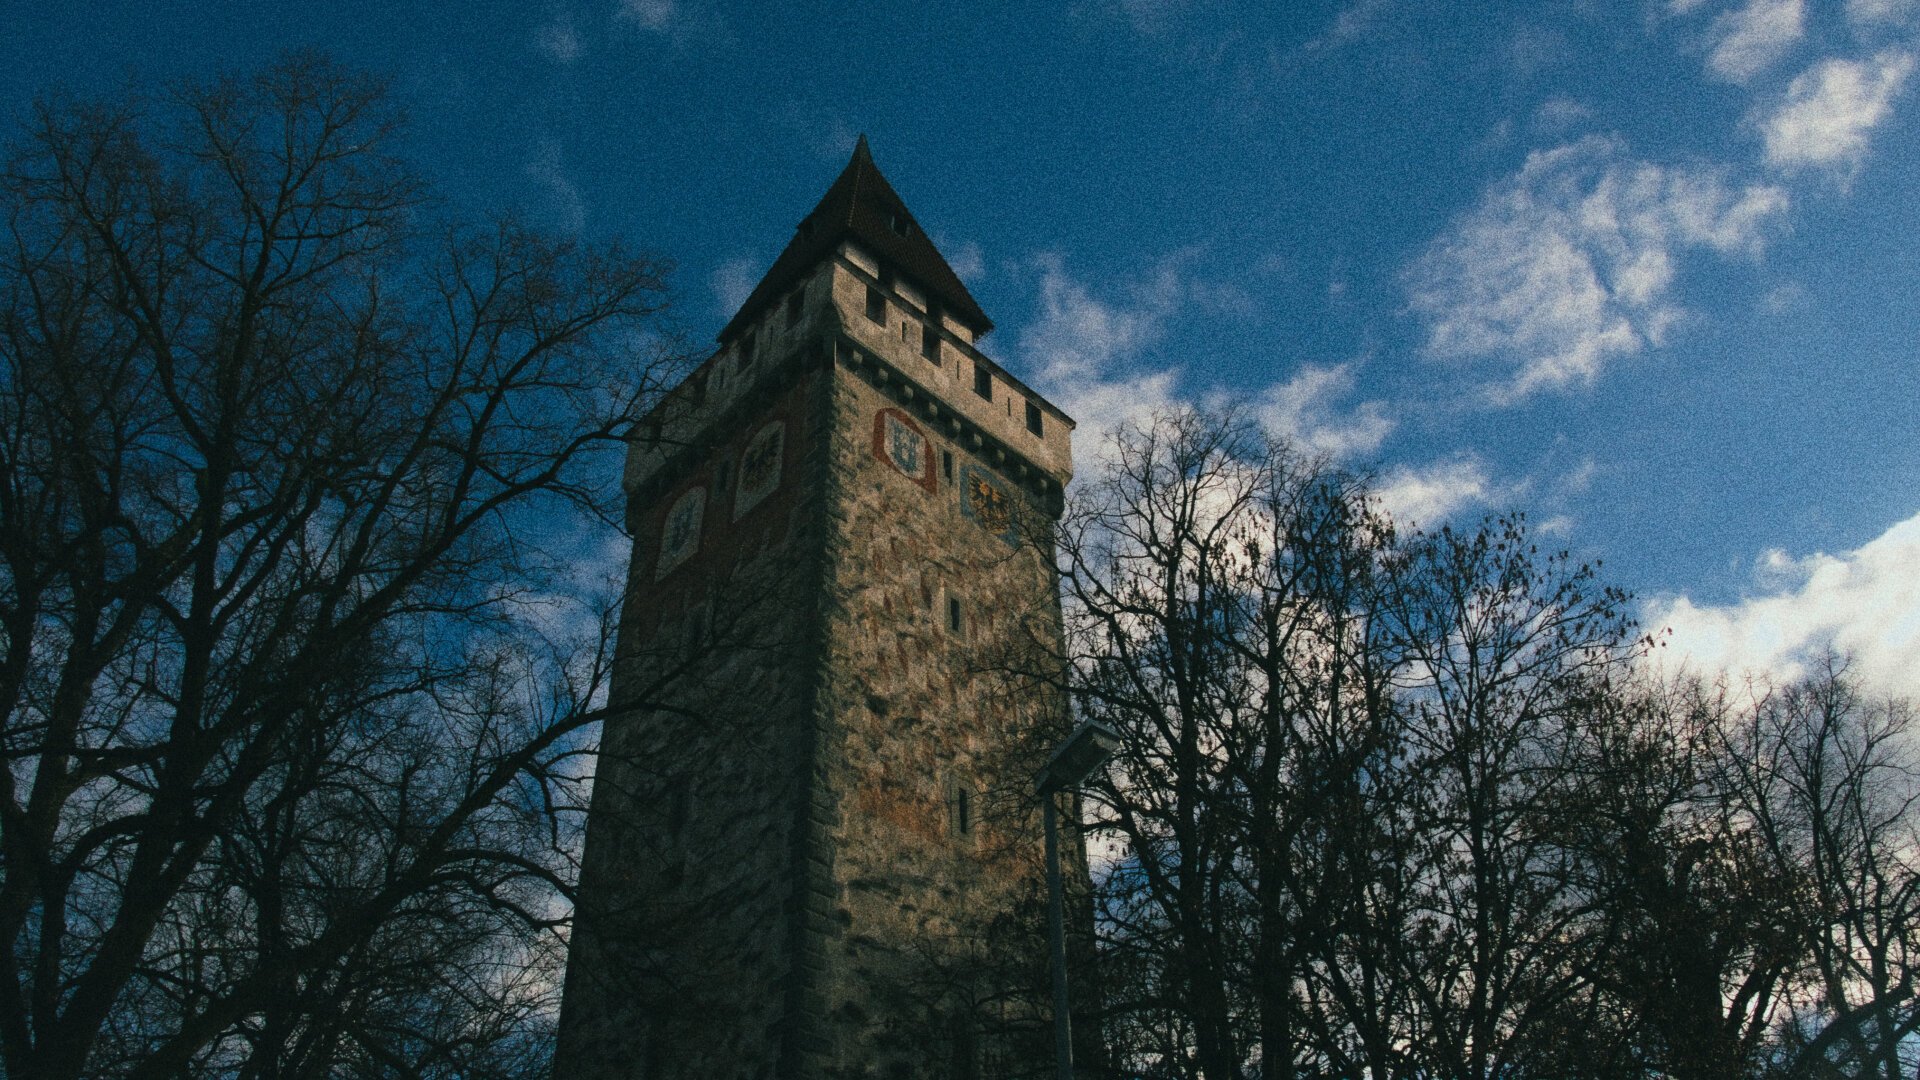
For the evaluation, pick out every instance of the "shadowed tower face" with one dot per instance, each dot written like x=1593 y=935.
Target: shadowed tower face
x=810 y=851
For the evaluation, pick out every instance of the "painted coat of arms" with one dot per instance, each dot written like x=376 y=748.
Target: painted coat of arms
x=680 y=533
x=899 y=442
x=760 y=467
x=983 y=499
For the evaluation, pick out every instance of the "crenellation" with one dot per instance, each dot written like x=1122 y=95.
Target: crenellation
x=1050 y=451
x=813 y=844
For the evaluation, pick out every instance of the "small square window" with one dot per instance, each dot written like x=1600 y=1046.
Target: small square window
x=1034 y=422
x=794 y=303
x=930 y=343
x=956 y=619
x=746 y=350
x=963 y=809
x=946 y=465
x=876 y=305
x=983 y=381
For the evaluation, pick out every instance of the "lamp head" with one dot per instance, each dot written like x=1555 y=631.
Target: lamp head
x=1088 y=748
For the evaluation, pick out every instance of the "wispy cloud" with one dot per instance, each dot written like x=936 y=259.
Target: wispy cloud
x=823 y=130
x=1570 y=262
x=1753 y=38
x=1077 y=335
x=1309 y=410
x=733 y=281
x=1533 y=49
x=1145 y=16
x=649 y=14
x=835 y=140
x=1864 y=602
x=562 y=196
x=1880 y=11
x=1352 y=22
x=1580 y=477
x=1086 y=354
x=1094 y=355
x=966 y=259
x=558 y=40
x=1425 y=496
x=1560 y=113
x=680 y=23
x=1830 y=110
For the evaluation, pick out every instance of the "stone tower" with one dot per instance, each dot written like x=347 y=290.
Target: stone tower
x=809 y=845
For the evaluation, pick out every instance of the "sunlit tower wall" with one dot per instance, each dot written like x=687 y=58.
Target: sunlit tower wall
x=806 y=863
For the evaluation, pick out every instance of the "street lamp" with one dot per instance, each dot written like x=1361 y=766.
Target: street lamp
x=1090 y=745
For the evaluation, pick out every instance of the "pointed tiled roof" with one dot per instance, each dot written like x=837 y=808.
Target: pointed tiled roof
x=862 y=206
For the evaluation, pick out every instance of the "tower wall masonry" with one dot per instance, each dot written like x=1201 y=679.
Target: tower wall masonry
x=812 y=851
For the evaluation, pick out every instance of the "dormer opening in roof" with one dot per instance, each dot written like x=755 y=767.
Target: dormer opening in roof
x=862 y=208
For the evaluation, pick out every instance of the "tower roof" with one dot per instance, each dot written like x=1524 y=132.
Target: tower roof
x=862 y=206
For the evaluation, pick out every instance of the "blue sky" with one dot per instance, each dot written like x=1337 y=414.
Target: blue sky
x=1646 y=269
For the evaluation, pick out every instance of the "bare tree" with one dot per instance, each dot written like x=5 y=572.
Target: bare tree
x=1693 y=940
x=1751 y=865
x=1336 y=799
x=1406 y=805
x=1823 y=779
x=1505 y=650
x=1219 y=588
x=285 y=722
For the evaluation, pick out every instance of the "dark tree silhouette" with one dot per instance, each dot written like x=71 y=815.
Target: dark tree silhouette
x=291 y=688
x=1407 y=805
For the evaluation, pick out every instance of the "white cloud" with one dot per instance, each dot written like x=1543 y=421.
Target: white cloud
x=1083 y=353
x=1078 y=336
x=1101 y=407
x=1864 y=602
x=1426 y=496
x=1830 y=109
x=1305 y=409
x=1091 y=356
x=733 y=281
x=1879 y=11
x=559 y=41
x=1571 y=262
x=649 y=14
x=1752 y=39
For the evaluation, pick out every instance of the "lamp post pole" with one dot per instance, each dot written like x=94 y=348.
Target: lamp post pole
x=1090 y=745
x=1057 y=944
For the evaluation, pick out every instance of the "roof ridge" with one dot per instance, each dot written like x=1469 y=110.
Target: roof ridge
x=862 y=156
x=878 y=219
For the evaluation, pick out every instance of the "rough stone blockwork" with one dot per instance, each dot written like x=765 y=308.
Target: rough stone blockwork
x=811 y=851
